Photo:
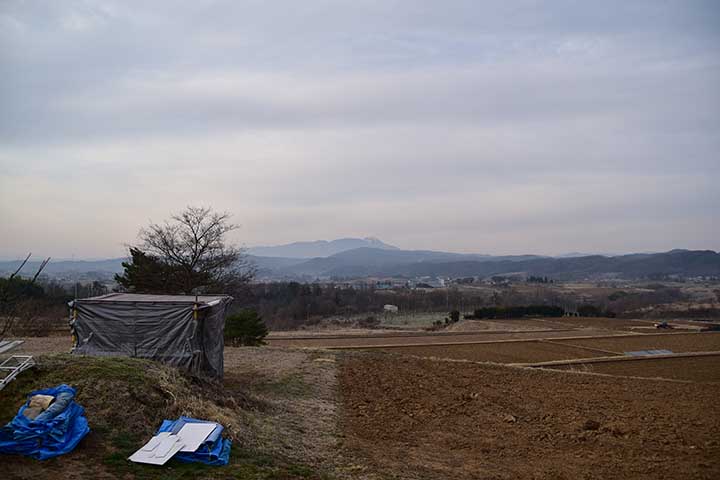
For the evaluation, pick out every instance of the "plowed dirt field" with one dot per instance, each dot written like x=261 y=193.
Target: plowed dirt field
x=425 y=419
x=503 y=352
x=688 y=342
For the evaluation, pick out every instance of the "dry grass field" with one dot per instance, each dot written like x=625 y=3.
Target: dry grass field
x=278 y=406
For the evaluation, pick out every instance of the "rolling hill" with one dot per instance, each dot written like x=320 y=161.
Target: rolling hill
x=64 y=267
x=409 y=263
x=389 y=261
x=319 y=248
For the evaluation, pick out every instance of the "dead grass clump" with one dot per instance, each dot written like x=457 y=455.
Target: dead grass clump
x=126 y=394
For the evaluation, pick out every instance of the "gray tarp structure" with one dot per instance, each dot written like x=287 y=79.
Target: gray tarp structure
x=183 y=331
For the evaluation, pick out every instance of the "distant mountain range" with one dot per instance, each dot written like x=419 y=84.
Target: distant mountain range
x=343 y=258
x=366 y=261
x=318 y=248
x=369 y=262
x=64 y=267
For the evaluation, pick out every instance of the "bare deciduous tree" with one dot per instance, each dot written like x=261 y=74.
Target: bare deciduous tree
x=194 y=245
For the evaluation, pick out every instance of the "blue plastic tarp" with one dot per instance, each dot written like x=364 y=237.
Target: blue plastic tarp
x=54 y=432
x=215 y=450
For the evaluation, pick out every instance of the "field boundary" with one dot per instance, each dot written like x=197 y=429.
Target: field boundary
x=511 y=340
x=611 y=359
x=591 y=349
x=415 y=334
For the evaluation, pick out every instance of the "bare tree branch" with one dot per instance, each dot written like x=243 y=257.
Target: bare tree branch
x=193 y=245
x=21 y=266
x=40 y=269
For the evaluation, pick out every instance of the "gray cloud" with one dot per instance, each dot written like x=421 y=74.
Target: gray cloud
x=479 y=126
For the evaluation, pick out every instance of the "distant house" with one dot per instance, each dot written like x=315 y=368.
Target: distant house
x=432 y=282
x=390 y=284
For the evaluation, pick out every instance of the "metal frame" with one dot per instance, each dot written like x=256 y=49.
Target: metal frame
x=14 y=366
x=7 y=345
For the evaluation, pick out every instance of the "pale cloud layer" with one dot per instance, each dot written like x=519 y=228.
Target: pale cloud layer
x=488 y=127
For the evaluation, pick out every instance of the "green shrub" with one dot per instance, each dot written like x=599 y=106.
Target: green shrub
x=245 y=328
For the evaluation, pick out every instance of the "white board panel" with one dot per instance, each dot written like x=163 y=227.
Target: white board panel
x=158 y=450
x=194 y=434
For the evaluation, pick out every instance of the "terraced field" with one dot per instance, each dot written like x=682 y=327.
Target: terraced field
x=684 y=342
x=694 y=369
x=419 y=338
x=499 y=352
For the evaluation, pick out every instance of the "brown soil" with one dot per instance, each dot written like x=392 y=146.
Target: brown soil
x=424 y=339
x=690 y=342
x=505 y=352
x=329 y=330
x=490 y=325
x=419 y=418
x=43 y=345
x=696 y=369
x=616 y=324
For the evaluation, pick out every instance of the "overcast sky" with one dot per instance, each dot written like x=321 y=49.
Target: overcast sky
x=488 y=127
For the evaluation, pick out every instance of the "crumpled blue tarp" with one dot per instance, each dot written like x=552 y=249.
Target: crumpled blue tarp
x=54 y=432
x=214 y=451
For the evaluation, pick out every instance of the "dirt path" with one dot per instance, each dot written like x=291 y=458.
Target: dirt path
x=419 y=418
x=298 y=391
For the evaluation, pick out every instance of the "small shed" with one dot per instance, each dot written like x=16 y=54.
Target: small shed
x=181 y=330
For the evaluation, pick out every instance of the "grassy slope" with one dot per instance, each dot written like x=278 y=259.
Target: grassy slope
x=125 y=401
